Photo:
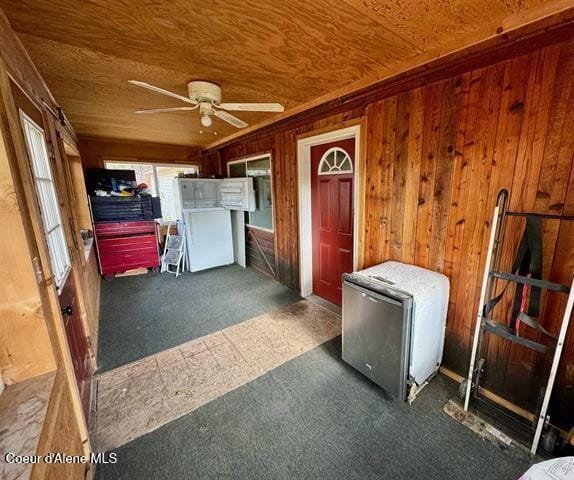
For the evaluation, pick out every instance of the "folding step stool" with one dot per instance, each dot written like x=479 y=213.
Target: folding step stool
x=174 y=252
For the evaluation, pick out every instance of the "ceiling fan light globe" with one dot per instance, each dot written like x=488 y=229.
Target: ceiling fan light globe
x=206 y=121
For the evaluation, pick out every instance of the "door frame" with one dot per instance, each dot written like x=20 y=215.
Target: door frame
x=304 y=196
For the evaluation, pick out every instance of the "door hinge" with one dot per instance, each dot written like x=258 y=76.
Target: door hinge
x=52 y=152
x=39 y=274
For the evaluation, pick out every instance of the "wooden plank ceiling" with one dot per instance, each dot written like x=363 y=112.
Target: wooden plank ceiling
x=290 y=52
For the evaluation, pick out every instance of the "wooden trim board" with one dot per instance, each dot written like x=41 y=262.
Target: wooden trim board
x=506 y=404
x=491 y=396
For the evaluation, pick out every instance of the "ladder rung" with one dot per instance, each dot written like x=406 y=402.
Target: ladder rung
x=548 y=216
x=555 y=287
x=505 y=332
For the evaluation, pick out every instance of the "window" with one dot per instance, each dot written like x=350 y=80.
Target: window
x=48 y=201
x=159 y=178
x=260 y=169
x=335 y=161
x=237 y=170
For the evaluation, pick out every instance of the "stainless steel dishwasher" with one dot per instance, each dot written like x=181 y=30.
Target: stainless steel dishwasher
x=394 y=317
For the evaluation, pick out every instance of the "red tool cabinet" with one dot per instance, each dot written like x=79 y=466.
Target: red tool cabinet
x=126 y=245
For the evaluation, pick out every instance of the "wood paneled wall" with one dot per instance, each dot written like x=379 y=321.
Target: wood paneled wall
x=58 y=436
x=260 y=250
x=25 y=349
x=94 y=151
x=435 y=160
x=283 y=148
x=92 y=283
x=30 y=310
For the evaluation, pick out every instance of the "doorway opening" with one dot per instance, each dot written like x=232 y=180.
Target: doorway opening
x=328 y=163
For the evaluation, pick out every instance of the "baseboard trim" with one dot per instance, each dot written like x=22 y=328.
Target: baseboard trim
x=492 y=396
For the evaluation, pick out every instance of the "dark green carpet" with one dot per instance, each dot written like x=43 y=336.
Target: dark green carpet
x=315 y=418
x=145 y=314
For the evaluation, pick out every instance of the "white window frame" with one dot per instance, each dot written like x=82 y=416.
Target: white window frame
x=249 y=159
x=124 y=160
x=52 y=223
x=323 y=160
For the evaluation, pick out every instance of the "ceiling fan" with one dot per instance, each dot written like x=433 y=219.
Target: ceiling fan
x=206 y=96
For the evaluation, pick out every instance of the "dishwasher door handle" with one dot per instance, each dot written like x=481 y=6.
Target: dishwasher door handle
x=373 y=295
x=372 y=299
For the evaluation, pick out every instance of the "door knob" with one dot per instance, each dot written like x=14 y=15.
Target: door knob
x=68 y=310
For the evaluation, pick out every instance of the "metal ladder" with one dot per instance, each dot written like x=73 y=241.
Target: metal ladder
x=492 y=273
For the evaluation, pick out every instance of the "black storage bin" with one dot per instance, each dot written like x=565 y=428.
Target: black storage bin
x=103 y=179
x=124 y=209
x=156 y=207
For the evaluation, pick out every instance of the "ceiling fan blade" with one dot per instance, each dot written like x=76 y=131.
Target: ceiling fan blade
x=162 y=91
x=161 y=110
x=227 y=117
x=252 y=107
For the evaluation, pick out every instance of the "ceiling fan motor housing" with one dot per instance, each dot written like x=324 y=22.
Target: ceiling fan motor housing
x=201 y=92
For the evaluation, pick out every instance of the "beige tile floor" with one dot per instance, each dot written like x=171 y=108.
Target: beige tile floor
x=140 y=397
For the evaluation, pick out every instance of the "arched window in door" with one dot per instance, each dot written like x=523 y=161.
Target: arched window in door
x=335 y=161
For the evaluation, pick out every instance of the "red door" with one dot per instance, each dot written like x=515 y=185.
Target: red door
x=332 y=167
x=78 y=343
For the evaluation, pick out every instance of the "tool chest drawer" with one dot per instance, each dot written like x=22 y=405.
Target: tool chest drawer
x=108 y=229
x=124 y=246
x=134 y=243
